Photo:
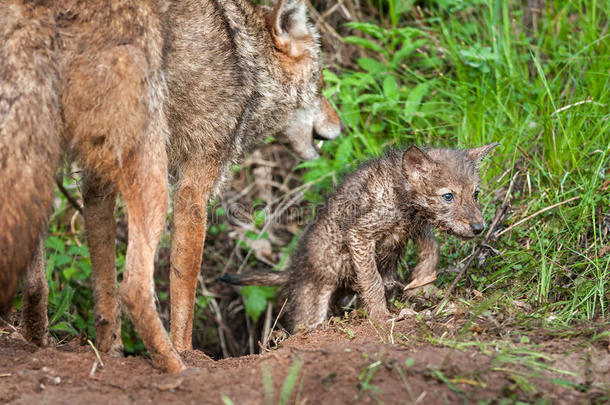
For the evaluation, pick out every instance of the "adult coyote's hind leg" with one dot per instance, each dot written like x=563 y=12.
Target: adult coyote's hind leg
x=35 y=296
x=99 y=201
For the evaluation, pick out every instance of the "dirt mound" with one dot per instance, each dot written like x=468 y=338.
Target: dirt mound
x=408 y=362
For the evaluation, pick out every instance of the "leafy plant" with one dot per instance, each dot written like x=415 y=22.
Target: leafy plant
x=256 y=298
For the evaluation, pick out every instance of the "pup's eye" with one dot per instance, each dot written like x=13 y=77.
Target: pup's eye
x=448 y=197
x=476 y=195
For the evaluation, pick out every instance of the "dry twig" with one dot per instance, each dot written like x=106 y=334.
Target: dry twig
x=267 y=336
x=68 y=196
x=535 y=214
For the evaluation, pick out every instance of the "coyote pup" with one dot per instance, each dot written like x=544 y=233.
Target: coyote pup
x=360 y=234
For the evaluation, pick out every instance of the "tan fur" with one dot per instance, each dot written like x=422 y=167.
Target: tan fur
x=359 y=236
x=134 y=90
x=99 y=200
x=29 y=136
x=34 y=305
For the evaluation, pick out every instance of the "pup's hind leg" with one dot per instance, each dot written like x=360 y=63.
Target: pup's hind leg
x=369 y=282
x=309 y=305
x=99 y=201
x=35 y=297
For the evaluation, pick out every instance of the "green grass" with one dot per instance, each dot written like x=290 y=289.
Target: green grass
x=468 y=73
x=287 y=387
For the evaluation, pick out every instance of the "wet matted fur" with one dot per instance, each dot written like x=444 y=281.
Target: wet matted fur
x=361 y=233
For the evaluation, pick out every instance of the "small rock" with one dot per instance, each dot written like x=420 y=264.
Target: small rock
x=170 y=385
x=406 y=313
x=450 y=308
x=17 y=336
x=35 y=363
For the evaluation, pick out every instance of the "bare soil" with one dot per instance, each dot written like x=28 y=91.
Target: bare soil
x=355 y=361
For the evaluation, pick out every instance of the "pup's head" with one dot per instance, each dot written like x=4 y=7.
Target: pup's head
x=444 y=187
x=298 y=55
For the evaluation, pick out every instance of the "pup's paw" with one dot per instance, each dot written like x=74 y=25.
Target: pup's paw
x=416 y=283
x=427 y=291
x=403 y=314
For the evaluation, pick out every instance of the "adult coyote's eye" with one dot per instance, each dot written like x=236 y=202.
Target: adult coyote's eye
x=447 y=197
x=476 y=195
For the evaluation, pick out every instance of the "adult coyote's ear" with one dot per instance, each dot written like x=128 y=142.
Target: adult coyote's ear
x=289 y=29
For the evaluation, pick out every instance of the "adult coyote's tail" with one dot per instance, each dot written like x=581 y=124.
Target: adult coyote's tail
x=29 y=135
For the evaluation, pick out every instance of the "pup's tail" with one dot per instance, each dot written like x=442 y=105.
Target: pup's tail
x=30 y=140
x=270 y=277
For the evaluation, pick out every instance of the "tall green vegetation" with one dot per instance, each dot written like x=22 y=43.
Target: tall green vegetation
x=465 y=73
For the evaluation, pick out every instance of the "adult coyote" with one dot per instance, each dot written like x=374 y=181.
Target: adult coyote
x=133 y=90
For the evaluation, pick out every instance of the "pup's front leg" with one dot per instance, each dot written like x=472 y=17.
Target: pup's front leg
x=425 y=271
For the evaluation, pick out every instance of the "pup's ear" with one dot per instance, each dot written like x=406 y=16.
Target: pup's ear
x=477 y=154
x=416 y=162
x=287 y=23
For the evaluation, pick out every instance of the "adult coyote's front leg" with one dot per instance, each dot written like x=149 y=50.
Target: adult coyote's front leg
x=188 y=238
x=143 y=185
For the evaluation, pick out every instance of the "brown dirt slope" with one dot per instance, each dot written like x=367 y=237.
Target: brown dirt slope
x=412 y=362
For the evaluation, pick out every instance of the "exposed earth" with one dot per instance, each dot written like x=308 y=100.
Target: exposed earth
x=350 y=361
